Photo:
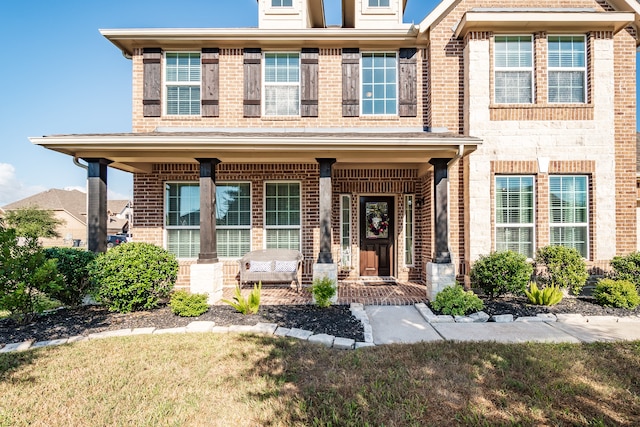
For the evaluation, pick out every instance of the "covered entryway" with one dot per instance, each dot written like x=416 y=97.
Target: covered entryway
x=376 y=236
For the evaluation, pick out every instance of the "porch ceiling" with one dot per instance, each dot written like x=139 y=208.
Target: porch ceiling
x=137 y=152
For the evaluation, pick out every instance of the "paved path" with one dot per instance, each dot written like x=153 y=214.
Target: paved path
x=409 y=324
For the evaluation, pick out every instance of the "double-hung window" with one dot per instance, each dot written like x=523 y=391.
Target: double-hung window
x=566 y=68
x=233 y=219
x=282 y=215
x=408 y=229
x=182 y=80
x=513 y=64
x=282 y=84
x=515 y=214
x=568 y=196
x=379 y=83
x=281 y=3
x=345 y=231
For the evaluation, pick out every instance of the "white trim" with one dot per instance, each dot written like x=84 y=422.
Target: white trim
x=361 y=83
x=531 y=225
x=279 y=84
x=350 y=227
x=266 y=227
x=413 y=230
x=166 y=84
x=587 y=207
x=530 y=69
x=582 y=69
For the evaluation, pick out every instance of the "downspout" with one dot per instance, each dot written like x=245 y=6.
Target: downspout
x=80 y=165
x=457 y=157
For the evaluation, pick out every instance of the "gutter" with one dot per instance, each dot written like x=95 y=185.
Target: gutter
x=80 y=165
x=457 y=157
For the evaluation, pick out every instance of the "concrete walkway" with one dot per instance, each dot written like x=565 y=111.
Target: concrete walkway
x=409 y=324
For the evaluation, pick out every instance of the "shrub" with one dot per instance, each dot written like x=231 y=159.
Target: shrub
x=26 y=276
x=249 y=305
x=501 y=272
x=627 y=267
x=616 y=293
x=550 y=295
x=185 y=304
x=135 y=276
x=456 y=301
x=73 y=264
x=323 y=289
x=564 y=268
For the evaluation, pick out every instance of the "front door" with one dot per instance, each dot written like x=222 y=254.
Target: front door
x=376 y=236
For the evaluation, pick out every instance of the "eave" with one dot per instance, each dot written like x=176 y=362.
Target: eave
x=138 y=152
x=190 y=38
x=550 y=21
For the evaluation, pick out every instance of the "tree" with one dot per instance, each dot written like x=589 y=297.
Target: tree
x=33 y=222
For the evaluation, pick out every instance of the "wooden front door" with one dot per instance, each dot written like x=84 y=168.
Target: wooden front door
x=376 y=236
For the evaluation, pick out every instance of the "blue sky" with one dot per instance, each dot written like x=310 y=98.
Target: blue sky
x=62 y=77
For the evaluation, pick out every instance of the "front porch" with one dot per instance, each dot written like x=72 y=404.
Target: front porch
x=368 y=291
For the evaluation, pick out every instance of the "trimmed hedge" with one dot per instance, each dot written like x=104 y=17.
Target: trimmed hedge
x=501 y=272
x=73 y=264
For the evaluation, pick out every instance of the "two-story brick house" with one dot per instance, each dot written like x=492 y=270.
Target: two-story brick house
x=379 y=148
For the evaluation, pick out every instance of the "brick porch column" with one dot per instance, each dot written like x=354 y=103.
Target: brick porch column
x=208 y=243
x=97 y=204
x=324 y=257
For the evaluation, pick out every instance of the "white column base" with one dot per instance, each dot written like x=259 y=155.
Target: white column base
x=439 y=276
x=326 y=270
x=207 y=279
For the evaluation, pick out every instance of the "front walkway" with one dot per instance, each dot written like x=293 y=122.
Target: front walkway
x=353 y=291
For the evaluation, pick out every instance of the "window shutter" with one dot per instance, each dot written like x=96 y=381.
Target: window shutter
x=407 y=92
x=350 y=82
x=309 y=82
x=152 y=81
x=252 y=82
x=210 y=82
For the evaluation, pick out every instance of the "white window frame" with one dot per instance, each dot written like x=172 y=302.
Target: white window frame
x=497 y=69
x=166 y=84
x=582 y=69
x=281 y=3
x=370 y=3
x=345 y=238
x=409 y=218
x=197 y=227
x=531 y=225
x=362 y=92
x=281 y=227
x=280 y=84
x=572 y=224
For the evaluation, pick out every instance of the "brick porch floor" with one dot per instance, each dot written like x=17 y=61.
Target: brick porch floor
x=370 y=293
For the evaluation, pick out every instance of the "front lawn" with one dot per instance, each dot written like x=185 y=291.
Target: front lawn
x=244 y=380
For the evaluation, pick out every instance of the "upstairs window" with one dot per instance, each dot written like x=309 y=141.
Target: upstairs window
x=379 y=83
x=378 y=3
x=566 y=68
x=513 y=69
x=182 y=79
x=281 y=3
x=282 y=84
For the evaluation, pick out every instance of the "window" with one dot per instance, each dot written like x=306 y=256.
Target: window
x=281 y=3
x=569 y=218
x=567 y=70
x=378 y=3
x=282 y=84
x=408 y=230
x=282 y=215
x=182 y=81
x=379 y=83
x=515 y=214
x=345 y=231
x=233 y=219
x=513 y=69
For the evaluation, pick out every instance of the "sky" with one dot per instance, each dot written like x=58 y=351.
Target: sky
x=60 y=76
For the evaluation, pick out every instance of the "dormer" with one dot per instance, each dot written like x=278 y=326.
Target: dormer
x=373 y=14
x=290 y=14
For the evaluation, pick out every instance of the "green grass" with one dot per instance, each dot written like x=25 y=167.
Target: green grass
x=245 y=380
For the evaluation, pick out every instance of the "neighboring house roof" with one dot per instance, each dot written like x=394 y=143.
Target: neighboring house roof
x=535 y=18
x=72 y=201
x=115 y=207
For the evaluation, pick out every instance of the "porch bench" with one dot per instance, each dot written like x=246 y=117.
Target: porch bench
x=271 y=266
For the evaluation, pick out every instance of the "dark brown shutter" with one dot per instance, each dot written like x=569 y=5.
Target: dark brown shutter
x=252 y=82
x=350 y=82
x=407 y=92
x=210 y=82
x=152 y=77
x=309 y=82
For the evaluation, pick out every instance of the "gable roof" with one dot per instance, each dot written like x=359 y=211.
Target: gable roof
x=116 y=206
x=72 y=201
x=530 y=17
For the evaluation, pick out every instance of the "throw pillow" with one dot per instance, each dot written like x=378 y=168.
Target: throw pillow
x=260 y=266
x=286 y=266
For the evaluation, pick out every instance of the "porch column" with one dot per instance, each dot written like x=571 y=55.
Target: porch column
x=207 y=275
x=97 y=204
x=208 y=243
x=441 y=210
x=324 y=257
